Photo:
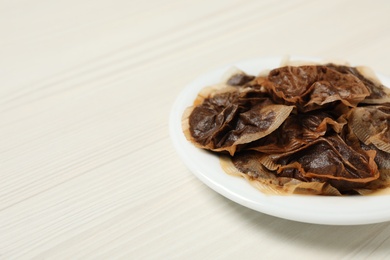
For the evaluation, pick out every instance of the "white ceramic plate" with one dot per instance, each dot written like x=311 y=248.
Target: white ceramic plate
x=352 y=210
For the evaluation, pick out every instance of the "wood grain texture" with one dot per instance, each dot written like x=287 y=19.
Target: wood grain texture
x=87 y=168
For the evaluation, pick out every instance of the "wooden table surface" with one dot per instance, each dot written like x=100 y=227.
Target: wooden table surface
x=87 y=167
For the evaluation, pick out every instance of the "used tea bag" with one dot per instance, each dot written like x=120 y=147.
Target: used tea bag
x=314 y=87
x=371 y=124
x=225 y=120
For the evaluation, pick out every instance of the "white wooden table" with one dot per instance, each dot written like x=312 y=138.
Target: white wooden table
x=87 y=168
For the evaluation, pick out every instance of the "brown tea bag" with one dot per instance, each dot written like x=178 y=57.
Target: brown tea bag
x=314 y=87
x=225 y=120
x=371 y=124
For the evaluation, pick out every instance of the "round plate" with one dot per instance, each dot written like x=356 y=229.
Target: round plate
x=352 y=210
